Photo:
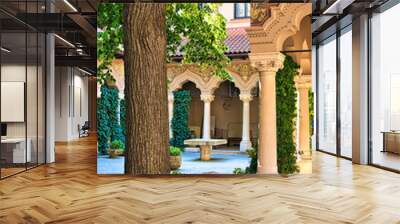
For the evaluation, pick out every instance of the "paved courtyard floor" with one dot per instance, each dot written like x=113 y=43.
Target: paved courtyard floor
x=105 y=165
x=222 y=162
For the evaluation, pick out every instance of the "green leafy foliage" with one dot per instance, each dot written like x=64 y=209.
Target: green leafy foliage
x=174 y=151
x=107 y=118
x=103 y=128
x=311 y=110
x=252 y=168
x=238 y=171
x=117 y=144
x=201 y=29
x=109 y=39
x=175 y=172
x=122 y=116
x=286 y=98
x=112 y=97
x=180 y=127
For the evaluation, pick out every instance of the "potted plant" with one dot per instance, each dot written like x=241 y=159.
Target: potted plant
x=116 y=148
x=175 y=159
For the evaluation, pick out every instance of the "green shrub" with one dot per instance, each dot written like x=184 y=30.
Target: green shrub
x=252 y=168
x=252 y=153
x=286 y=98
x=175 y=172
x=122 y=117
x=107 y=118
x=174 y=151
x=311 y=113
x=180 y=127
x=117 y=144
x=103 y=128
x=112 y=97
x=238 y=171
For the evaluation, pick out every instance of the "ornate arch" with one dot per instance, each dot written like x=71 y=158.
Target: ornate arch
x=207 y=83
x=244 y=76
x=212 y=85
x=186 y=76
x=288 y=24
x=244 y=85
x=282 y=21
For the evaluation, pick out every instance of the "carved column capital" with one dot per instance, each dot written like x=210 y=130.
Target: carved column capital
x=303 y=81
x=207 y=98
x=267 y=63
x=246 y=97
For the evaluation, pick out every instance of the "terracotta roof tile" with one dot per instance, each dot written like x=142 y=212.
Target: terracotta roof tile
x=237 y=41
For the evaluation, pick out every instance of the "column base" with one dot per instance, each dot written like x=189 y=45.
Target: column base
x=267 y=170
x=205 y=152
x=245 y=145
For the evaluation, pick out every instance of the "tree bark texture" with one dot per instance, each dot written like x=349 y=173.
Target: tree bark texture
x=147 y=139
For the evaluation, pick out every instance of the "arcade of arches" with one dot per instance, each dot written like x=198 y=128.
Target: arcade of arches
x=275 y=28
x=244 y=110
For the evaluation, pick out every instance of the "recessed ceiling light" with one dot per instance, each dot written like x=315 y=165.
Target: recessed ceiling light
x=338 y=6
x=70 y=5
x=64 y=40
x=84 y=71
x=5 y=50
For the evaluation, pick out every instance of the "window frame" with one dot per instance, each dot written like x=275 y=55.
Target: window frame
x=333 y=37
x=246 y=11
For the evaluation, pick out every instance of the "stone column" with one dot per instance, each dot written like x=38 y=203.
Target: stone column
x=245 y=143
x=207 y=99
x=170 y=111
x=267 y=65
x=303 y=84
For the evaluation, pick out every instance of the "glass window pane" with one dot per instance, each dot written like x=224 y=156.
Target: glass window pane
x=247 y=9
x=346 y=94
x=327 y=96
x=13 y=86
x=31 y=97
x=240 y=10
x=22 y=88
x=385 y=84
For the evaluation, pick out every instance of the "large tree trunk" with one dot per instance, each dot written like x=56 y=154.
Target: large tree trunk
x=146 y=89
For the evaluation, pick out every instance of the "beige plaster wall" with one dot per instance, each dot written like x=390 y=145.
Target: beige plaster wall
x=196 y=105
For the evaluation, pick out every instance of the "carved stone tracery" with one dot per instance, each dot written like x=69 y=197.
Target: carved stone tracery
x=260 y=12
x=267 y=62
x=303 y=81
x=244 y=76
x=243 y=69
x=272 y=24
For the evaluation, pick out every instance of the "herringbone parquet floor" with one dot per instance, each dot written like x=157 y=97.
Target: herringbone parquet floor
x=69 y=191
